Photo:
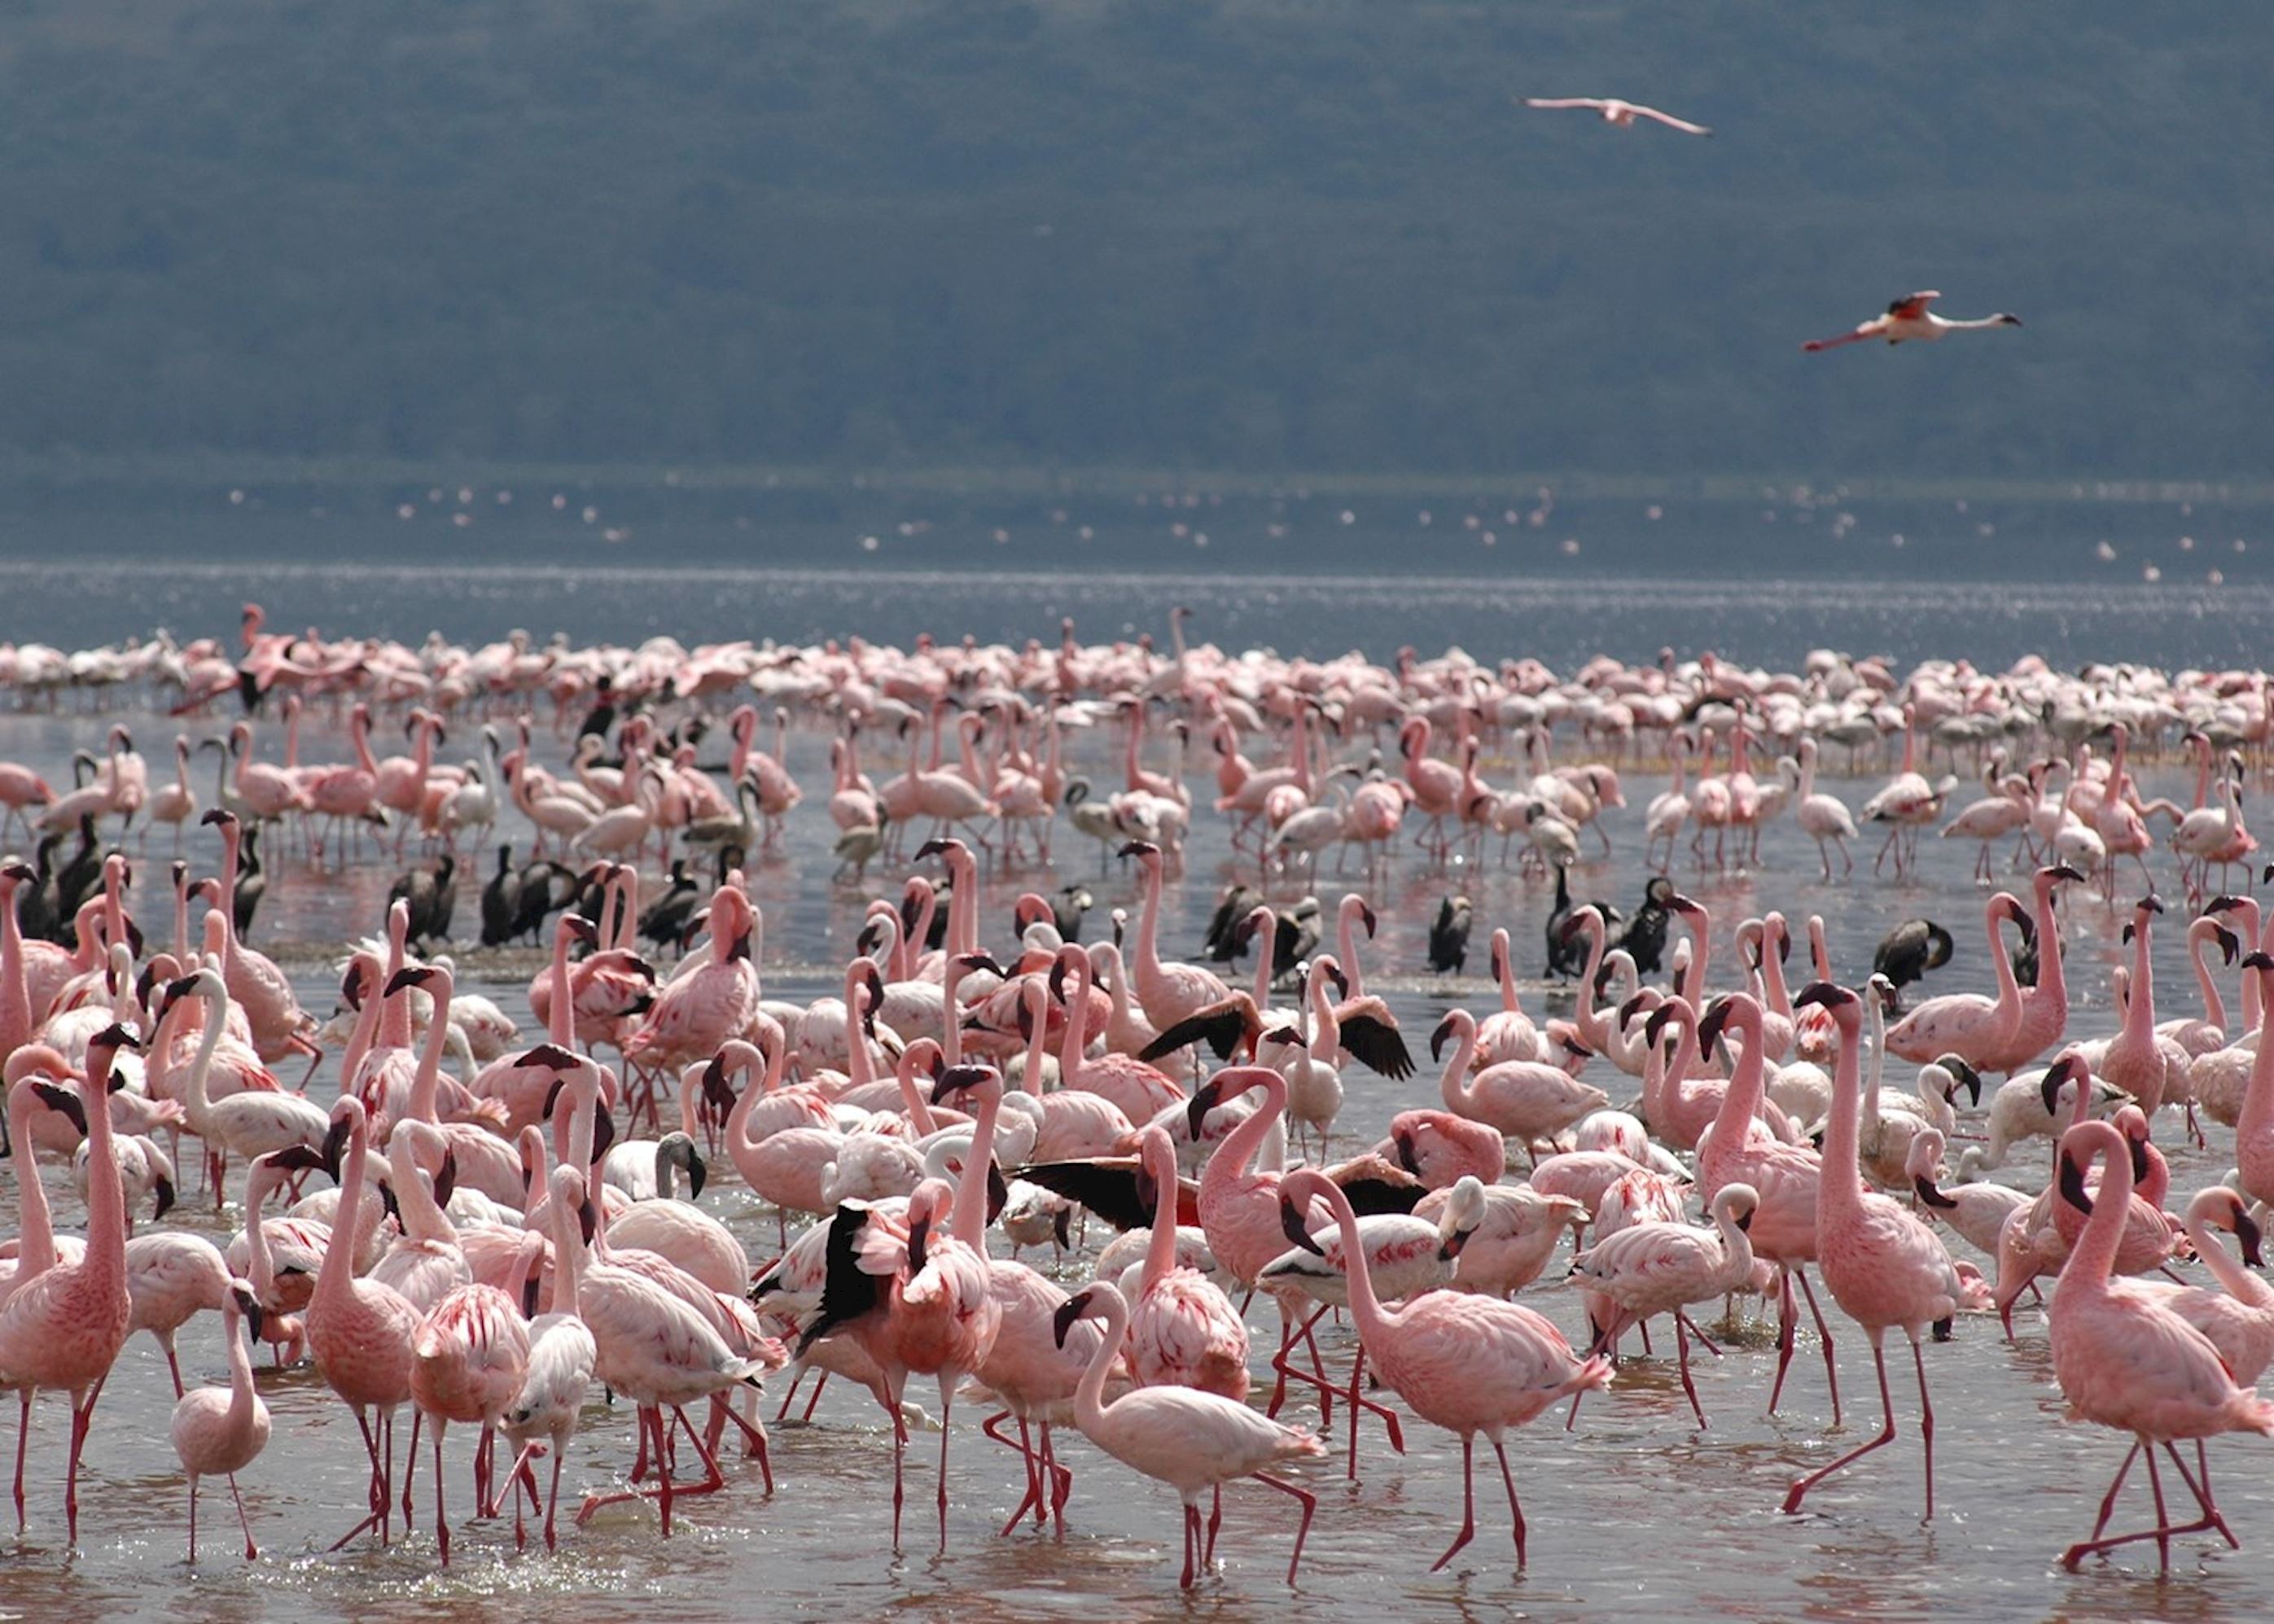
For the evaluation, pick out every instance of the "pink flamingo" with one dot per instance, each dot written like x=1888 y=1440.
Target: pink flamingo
x=1189 y=1440
x=1967 y=1024
x=269 y=793
x=63 y=1327
x=1238 y=1208
x=224 y=1429
x=545 y=1413
x=1467 y=1363
x=1883 y=1265
x=1440 y=1148
x=173 y=804
x=1138 y=1090
x=649 y=1345
x=360 y=1332
x=170 y=1276
x=1655 y=1269
x=916 y=1299
x=1907 y=803
x=1436 y=785
x=2044 y=1007
x=245 y=1124
x=1184 y=1332
x=1527 y=1101
x=2254 y=1128
x=1822 y=815
x=717 y=999
x=934 y=1312
x=1507 y=1032
x=1785 y=1175
x=467 y=1363
x=264 y=991
x=1169 y=992
x=1029 y=1367
x=2127 y=1361
x=21 y=787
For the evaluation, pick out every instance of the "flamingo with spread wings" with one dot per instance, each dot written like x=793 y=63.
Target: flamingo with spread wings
x=1617 y=112
x=1908 y=318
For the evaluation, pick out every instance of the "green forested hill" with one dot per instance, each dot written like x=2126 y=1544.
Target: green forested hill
x=1230 y=234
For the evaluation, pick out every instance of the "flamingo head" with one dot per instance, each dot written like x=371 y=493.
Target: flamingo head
x=1074 y=1308
x=1962 y=1075
x=1446 y=1028
x=2068 y=1069
x=956 y=1079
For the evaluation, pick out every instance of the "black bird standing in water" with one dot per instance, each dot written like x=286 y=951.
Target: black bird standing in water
x=1908 y=952
x=1449 y=937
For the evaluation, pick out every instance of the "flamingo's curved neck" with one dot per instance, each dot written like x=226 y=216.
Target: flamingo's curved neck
x=426 y=1085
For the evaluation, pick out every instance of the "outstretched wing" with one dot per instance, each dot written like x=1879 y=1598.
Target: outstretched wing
x=1672 y=123
x=1589 y=101
x=1378 y=1046
x=1222 y=1025
x=1912 y=306
x=1870 y=330
x=1105 y=1185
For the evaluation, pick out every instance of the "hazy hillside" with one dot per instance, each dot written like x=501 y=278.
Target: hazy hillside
x=1313 y=234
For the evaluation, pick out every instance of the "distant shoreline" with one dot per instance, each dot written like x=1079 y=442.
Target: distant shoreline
x=219 y=473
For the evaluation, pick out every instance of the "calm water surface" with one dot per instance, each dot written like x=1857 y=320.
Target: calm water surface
x=1635 y=1512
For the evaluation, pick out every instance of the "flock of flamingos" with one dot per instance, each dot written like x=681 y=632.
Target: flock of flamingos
x=487 y=1231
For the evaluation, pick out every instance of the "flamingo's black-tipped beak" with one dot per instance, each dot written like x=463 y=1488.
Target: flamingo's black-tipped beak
x=1437 y=1038
x=1205 y=1099
x=1062 y=1320
x=1291 y=1222
x=2067 y=1069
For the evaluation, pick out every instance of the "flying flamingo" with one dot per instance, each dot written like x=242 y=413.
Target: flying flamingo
x=224 y=1429
x=1618 y=113
x=2127 y=1361
x=1883 y=1265
x=1908 y=318
x=1468 y=1363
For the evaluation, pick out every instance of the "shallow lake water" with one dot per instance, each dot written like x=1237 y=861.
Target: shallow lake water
x=1634 y=1511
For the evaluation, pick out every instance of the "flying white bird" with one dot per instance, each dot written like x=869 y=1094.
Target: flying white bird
x=1617 y=112
x=1910 y=318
